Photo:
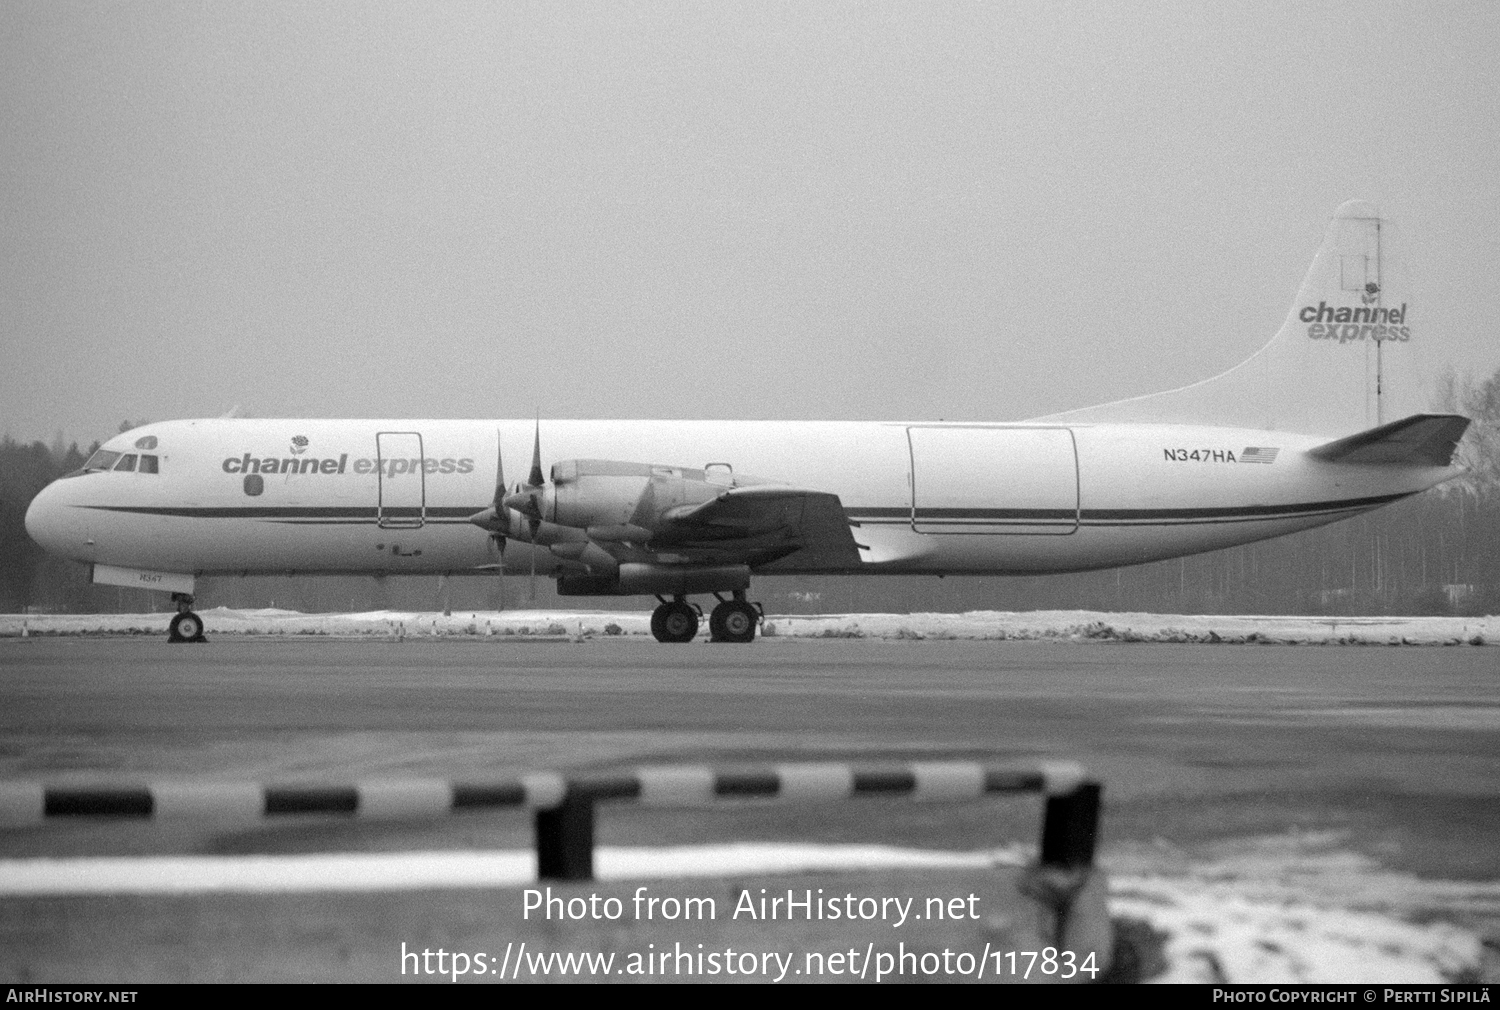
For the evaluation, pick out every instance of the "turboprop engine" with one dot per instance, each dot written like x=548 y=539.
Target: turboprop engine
x=615 y=501
x=620 y=528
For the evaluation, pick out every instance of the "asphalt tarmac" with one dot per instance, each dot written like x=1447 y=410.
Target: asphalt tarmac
x=1398 y=746
x=1396 y=749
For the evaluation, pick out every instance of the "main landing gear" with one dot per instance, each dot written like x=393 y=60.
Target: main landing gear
x=734 y=620
x=731 y=621
x=675 y=622
x=186 y=626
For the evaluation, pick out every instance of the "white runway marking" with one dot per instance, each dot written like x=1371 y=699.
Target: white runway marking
x=404 y=871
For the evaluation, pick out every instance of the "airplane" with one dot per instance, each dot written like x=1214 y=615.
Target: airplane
x=1292 y=438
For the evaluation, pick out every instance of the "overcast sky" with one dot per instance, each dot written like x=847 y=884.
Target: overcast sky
x=811 y=210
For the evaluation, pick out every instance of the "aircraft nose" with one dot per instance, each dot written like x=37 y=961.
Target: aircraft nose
x=53 y=524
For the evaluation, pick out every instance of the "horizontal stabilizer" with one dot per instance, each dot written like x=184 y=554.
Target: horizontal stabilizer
x=1419 y=440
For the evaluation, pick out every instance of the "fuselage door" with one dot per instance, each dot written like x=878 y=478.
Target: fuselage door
x=402 y=479
x=1019 y=481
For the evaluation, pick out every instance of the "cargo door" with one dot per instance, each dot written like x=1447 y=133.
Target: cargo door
x=401 y=479
x=1018 y=481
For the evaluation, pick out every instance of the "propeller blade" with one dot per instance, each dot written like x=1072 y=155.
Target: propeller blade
x=527 y=499
x=496 y=513
x=495 y=518
x=500 y=573
x=536 y=479
x=499 y=475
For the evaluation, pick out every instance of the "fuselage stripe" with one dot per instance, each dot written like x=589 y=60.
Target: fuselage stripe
x=902 y=515
x=1113 y=517
x=957 y=518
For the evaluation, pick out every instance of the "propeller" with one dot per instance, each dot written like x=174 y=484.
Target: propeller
x=496 y=505
x=527 y=500
x=535 y=477
x=494 y=518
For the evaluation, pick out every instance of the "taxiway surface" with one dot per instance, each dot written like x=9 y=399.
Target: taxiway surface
x=1398 y=747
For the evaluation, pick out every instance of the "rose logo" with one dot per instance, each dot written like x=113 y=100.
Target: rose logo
x=299 y=444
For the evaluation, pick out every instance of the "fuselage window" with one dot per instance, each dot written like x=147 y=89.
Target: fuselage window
x=101 y=460
x=148 y=464
x=127 y=462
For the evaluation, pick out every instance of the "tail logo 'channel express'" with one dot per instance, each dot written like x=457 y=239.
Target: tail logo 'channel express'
x=1367 y=322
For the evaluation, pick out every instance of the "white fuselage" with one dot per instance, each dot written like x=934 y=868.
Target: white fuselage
x=394 y=496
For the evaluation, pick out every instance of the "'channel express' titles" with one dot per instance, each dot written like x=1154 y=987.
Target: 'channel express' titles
x=385 y=467
x=1367 y=322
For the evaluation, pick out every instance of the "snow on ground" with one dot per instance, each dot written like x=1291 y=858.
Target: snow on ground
x=978 y=624
x=1301 y=908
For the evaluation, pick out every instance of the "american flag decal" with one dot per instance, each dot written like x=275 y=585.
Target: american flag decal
x=1258 y=454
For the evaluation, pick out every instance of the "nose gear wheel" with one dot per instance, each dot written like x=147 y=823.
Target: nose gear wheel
x=186 y=627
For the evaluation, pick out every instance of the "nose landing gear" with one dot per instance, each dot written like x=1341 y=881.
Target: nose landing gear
x=186 y=626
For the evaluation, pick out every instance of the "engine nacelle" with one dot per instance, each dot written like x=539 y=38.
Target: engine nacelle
x=623 y=501
x=663 y=580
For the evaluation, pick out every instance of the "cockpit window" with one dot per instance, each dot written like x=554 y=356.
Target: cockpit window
x=148 y=464
x=127 y=463
x=101 y=460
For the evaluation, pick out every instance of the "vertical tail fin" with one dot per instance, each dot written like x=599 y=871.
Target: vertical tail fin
x=1328 y=369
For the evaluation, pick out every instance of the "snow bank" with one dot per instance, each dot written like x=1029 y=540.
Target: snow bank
x=556 y=624
x=1130 y=627
x=1301 y=908
x=978 y=625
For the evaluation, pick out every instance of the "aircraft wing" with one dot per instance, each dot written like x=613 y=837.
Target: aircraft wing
x=808 y=529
